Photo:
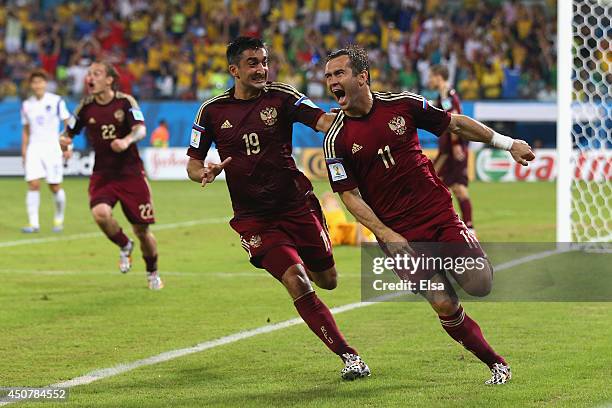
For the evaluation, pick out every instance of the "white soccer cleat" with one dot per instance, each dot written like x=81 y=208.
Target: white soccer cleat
x=155 y=282
x=125 y=257
x=500 y=374
x=58 y=225
x=30 y=230
x=354 y=367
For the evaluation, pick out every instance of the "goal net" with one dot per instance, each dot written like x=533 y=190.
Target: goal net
x=584 y=132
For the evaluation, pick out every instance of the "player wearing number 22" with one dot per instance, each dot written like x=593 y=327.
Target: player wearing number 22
x=114 y=123
x=276 y=214
x=376 y=165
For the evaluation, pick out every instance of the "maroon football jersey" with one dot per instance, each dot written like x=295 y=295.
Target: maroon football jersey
x=262 y=177
x=450 y=103
x=380 y=154
x=105 y=123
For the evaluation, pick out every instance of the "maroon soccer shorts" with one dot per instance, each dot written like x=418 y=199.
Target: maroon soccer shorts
x=293 y=238
x=454 y=172
x=132 y=192
x=439 y=241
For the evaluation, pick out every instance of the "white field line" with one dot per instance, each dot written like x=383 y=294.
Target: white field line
x=96 y=234
x=60 y=272
x=103 y=373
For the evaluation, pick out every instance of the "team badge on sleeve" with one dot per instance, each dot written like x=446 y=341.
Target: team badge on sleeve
x=306 y=101
x=137 y=114
x=195 y=138
x=337 y=171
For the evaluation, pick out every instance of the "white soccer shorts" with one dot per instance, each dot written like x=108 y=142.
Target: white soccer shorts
x=44 y=162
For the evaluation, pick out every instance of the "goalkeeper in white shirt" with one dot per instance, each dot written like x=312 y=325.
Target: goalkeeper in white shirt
x=41 y=117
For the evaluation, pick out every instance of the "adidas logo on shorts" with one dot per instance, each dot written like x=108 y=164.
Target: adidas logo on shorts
x=356 y=148
x=226 y=125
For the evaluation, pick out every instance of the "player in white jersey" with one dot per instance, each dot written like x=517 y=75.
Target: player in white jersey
x=41 y=117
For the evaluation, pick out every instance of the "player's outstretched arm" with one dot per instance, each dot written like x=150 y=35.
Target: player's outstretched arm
x=473 y=130
x=137 y=134
x=65 y=141
x=325 y=121
x=365 y=215
x=205 y=173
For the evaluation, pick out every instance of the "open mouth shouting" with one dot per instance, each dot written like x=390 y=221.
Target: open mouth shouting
x=340 y=95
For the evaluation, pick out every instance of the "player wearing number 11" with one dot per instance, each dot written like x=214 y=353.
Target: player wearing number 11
x=376 y=165
x=114 y=123
x=276 y=214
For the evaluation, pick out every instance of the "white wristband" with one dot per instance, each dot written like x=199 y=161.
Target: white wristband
x=501 y=142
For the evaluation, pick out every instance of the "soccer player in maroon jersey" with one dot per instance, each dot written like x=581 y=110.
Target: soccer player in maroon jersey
x=452 y=159
x=114 y=123
x=276 y=213
x=375 y=163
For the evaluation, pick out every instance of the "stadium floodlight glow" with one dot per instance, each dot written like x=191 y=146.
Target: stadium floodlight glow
x=584 y=123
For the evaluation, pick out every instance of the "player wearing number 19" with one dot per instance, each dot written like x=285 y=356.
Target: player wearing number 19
x=114 y=123
x=276 y=214
x=376 y=165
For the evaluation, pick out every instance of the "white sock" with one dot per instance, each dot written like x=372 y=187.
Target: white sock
x=60 y=205
x=32 y=204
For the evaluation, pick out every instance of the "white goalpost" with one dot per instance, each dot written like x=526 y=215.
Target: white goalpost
x=584 y=123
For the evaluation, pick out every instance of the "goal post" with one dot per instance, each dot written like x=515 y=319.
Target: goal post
x=584 y=123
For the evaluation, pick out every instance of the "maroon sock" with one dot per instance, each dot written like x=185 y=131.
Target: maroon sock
x=120 y=239
x=467 y=332
x=466 y=212
x=151 y=262
x=320 y=320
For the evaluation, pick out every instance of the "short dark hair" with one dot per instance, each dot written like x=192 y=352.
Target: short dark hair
x=441 y=70
x=240 y=44
x=358 y=57
x=38 y=73
x=110 y=71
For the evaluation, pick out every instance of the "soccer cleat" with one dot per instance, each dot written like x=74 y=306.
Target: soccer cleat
x=155 y=282
x=354 y=367
x=30 y=230
x=125 y=257
x=500 y=374
x=58 y=226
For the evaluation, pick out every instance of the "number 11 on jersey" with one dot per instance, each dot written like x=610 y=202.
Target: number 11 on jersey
x=385 y=155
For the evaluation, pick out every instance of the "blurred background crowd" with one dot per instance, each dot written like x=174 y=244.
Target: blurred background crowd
x=168 y=49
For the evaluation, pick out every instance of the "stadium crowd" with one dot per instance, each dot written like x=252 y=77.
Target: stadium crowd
x=494 y=49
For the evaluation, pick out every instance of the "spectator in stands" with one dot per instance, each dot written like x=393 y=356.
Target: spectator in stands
x=157 y=33
x=160 y=135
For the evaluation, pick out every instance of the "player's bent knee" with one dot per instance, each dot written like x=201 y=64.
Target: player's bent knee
x=328 y=279
x=102 y=213
x=34 y=185
x=478 y=282
x=445 y=307
x=296 y=281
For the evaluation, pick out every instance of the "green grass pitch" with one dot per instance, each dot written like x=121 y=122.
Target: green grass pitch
x=65 y=310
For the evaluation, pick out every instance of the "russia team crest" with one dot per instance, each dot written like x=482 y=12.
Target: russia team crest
x=398 y=125
x=269 y=115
